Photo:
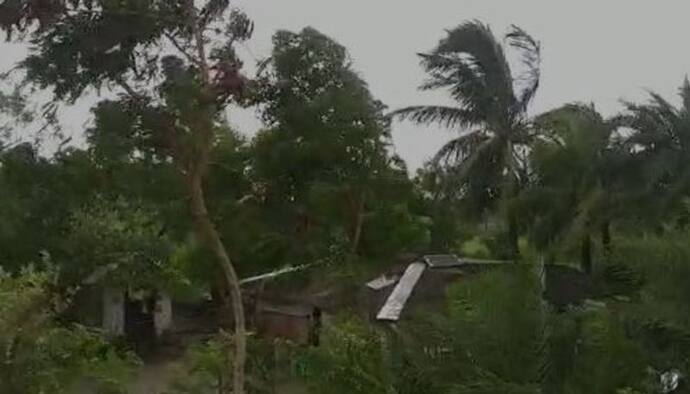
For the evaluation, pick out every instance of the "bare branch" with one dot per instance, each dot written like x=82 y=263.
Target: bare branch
x=127 y=88
x=181 y=49
x=200 y=45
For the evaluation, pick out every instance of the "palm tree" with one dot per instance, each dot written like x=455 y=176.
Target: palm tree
x=661 y=138
x=577 y=178
x=490 y=116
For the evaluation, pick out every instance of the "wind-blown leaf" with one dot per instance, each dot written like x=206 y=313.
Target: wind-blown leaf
x=471 y=65
x=448 y=117
x=685 y=94
x=460 y=149
x=531 y=59
x=475 y=44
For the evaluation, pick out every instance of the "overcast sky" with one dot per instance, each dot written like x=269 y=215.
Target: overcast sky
x=593 y=50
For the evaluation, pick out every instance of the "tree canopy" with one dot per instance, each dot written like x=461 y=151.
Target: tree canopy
x=165 y=195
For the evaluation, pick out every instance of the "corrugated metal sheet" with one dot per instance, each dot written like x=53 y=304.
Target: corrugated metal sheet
x=274 y=274
x=442 y=260
x=382 y=281
x=396 y=301
x=304 y=311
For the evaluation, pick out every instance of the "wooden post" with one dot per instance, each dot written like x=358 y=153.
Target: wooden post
x=162 y=314
x=113 y=312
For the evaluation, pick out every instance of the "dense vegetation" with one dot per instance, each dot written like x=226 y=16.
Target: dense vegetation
x=165 y=195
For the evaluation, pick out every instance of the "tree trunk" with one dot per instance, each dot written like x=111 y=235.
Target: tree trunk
x=210 y=235
x=586 y=253
x=220 y=293
x=513 y=237
x=606 y=237
x=511 y=191
x=205 y=226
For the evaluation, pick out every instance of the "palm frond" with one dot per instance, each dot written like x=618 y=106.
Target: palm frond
x=579 y=110
x=652 y=123
x=685 y=94
x=476 y=40
x=531 y=58
x=460 y=149
x=449 y=117
x=579 y=124
x=443 y=63
x=642 y=118
x=662 y=106
x=474 y=50
x=464 y=80
x=472 y=165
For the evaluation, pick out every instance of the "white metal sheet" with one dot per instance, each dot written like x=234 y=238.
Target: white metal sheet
x=382 y=281
x=396 y=301
x=442 y=260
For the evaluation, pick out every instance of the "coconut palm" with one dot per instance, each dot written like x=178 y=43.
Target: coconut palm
x=578 y=178
x=490 y=116
x=661 y=137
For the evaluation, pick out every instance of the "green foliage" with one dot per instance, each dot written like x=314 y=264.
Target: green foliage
x=204 y=370
x=660 y=135
x=14 y=112
x=187 y=272
x=352 y=359
x=40 y=355
x=655 y=268
x=81 y=45
x=498 y=336
x=320 y=185
x=394 y=228
x=475 y=248
x=579 y=181
x=323 y=165
x=124 y=237
x=568 y=166
x=590 y=351
x=663 y=262
x=482 y=167
x=491 y=340
x=498 y=320
x=35 y=214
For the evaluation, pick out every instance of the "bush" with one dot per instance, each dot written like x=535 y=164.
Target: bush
x=206 y=368
x=497 y=336
x=590 y=352
x=41 y=356
x=655 y=269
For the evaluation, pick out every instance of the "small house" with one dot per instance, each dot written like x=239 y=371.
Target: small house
x=298 y=322
x=142 y=316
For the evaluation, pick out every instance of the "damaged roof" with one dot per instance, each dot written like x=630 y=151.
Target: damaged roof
x=427 y=277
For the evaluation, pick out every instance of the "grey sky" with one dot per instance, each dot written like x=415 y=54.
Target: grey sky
x=593 y=50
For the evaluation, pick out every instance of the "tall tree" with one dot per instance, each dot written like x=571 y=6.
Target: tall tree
x=35 y=214
x=175 y=70
x=491 y=115
x=324 y=158
x=577 y=178
x=661 y=140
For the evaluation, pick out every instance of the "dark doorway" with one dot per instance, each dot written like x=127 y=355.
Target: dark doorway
x=140 y=327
